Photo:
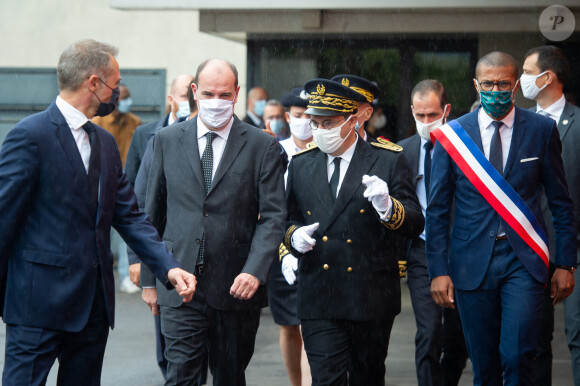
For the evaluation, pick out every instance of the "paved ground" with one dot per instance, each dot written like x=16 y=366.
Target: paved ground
x=130 y=356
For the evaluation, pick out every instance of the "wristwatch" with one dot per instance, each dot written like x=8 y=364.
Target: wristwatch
x=567 y=268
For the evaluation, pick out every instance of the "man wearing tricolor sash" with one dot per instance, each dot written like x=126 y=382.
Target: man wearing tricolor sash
x=494 y=265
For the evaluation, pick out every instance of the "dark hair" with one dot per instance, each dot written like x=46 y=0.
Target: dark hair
x=203 y=64
x=430 y=85
x=553 y=59
x=498 y=59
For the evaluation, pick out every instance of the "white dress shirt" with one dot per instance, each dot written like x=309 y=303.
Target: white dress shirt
x=553 y=111
x=218 y=144
x=345 y=159
x=75 y=120
x=420 y=185
x=486 y=130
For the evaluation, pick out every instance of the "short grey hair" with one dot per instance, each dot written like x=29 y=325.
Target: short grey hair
x=82 y=59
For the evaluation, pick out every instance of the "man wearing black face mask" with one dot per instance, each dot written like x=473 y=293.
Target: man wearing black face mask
x=62 y=188
x=494 y=162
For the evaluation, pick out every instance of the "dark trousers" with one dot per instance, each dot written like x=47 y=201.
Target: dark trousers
x=543 y=365
x=160 y=347
x=455 y=354
x=428 y=318
x=31 y=351
x=343 y=352
x=194 y=330
x=501 y=321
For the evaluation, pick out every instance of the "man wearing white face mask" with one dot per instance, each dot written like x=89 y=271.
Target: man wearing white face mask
x=216 y=195
x=437 y=329
x=545 y=72
x=370 y=91
x=347 y=201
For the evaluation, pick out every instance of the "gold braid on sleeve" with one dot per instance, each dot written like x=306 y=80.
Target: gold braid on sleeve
x=397 y=216
x=282 y=251
x=288 y=236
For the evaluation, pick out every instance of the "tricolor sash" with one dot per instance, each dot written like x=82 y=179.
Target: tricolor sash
x=492 y=186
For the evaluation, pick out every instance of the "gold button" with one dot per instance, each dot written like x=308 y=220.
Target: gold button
x=362 y=211
x=349 y=241
x=349 y=269
x=308 y=212
x=325 y=267
x=324 y=238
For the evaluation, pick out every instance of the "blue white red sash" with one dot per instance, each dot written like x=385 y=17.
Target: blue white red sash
x=492 y=186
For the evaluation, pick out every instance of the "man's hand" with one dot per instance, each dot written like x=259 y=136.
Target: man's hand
x=301 y=240
x=267 y=129
x=184 y=283
x=562 y=285
x=442 y=291
x=135 y=273
x=289 y=267
x=377 y=193
x=245 y=286
x=149 y=296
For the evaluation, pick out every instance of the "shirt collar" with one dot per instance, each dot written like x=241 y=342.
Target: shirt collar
x=223 y=133
x=347 y=155
x=74 y=118
x=485 y=120
x=555 y=109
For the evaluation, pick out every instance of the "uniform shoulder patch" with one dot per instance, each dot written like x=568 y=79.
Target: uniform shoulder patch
x=386 y=144
x=309 y=147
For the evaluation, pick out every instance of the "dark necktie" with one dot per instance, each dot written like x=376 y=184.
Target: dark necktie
x=495 y=152
x=496 y=157
x=94 y=166
x=207 y=168
x=427 y=167
x=335 y=177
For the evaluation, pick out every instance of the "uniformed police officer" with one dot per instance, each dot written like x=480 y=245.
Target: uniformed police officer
x=347 y=199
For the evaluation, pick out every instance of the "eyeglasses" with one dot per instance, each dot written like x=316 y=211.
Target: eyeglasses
x=487 y=85
x=327 y=124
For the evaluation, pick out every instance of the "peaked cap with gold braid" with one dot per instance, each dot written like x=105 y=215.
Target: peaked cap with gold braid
x=330 y=98
x=361 y=85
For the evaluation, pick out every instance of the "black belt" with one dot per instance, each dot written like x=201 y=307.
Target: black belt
x=504 y=237
x=199 y=270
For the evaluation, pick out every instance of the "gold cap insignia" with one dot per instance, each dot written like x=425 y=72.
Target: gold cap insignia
x=320 y=89
x=345 y=82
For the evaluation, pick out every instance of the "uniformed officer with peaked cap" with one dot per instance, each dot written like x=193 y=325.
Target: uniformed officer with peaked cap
x=347 y=200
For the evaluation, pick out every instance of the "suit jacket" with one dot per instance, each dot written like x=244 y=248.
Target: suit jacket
x=138 y=145
x=465 y=254
x=51 y=246
x=352 y=273
x=247 y=183
x=250 y=121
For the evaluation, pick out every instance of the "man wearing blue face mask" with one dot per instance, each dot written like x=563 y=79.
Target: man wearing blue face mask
x=257 y=100
x=347 y=201
x=493 y=163
x=545 y=71
x=275 y=120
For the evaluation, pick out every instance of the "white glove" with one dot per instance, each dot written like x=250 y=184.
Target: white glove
x=301 y=240
x=289 y=266
x=377 y=192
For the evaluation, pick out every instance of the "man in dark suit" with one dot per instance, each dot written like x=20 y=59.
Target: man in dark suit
x=62 y=187
x=545 y=73
x=497 y=276
x=257 y=100
x=347 y=199
x=216 y=195
x=438 y=329
x=370 y=91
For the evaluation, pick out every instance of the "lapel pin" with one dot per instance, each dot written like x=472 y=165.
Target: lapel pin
x=565 y=121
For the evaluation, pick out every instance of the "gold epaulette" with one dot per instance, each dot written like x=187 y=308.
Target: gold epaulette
x=386 y=144
x=309 y=146
x=282 y=251
x=397 y=216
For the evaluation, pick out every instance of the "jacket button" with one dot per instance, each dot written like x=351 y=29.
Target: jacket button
x=362 y=211
x=95 y=264
x=349 y=269
x=324 y=238
x=491 y=234
x=198 y=241
x=325 y=267
x=308 y=213
x=349 y=241
x=205 y=214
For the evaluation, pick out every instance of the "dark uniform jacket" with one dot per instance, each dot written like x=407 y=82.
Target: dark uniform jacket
x=352 y=273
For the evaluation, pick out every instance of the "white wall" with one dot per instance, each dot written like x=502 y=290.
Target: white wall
x=33 y=33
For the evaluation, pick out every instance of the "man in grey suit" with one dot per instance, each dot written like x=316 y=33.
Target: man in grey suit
x=216 y=195
x=545 y=73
